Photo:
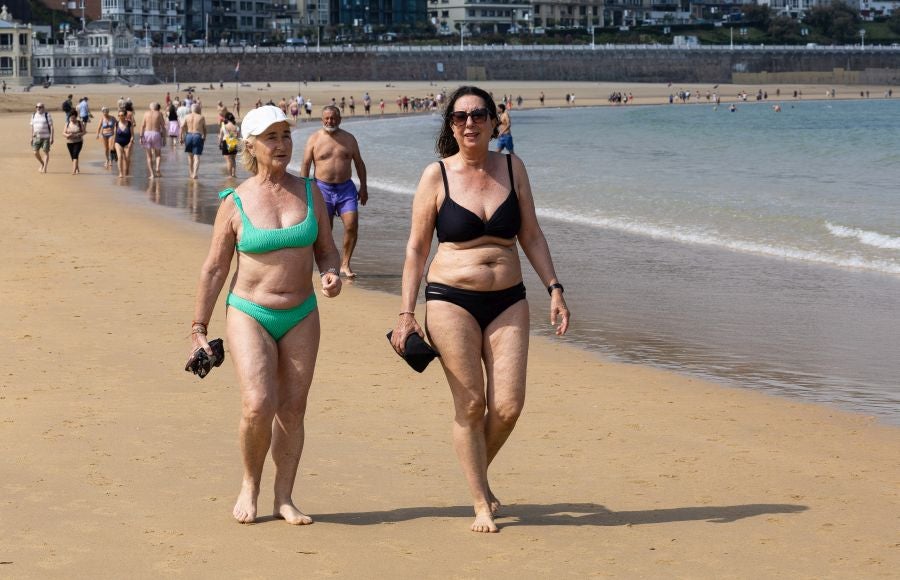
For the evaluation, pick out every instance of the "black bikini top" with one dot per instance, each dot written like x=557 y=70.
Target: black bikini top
x=457 y=224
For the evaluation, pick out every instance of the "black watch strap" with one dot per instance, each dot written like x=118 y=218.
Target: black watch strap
x=552 y=287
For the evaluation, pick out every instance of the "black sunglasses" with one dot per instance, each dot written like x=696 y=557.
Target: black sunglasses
x=478 y=116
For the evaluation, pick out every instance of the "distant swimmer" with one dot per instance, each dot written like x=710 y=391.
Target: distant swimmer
x=777 y=108
x=732 y=108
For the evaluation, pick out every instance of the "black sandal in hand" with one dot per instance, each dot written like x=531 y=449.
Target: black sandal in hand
x=201 y=363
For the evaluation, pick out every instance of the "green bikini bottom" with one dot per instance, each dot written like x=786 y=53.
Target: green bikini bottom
x=276 y=322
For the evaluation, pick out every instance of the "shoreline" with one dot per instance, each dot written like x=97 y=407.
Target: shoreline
x=614 y=469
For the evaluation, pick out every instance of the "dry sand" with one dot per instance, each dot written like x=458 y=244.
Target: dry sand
x=116 y=463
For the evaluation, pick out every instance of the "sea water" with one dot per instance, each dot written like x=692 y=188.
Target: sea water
x=757 y=248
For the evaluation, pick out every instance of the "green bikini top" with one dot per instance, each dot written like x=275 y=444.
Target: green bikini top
x=259 y=240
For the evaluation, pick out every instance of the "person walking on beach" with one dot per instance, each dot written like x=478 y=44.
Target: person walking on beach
x=67 y=106
x=174 y=127
x=153 y=127
x=74 y=134
x=194 y=135
x=106 y=129
x=124 y=140
x=276 y=223
x=332 y=150
x=41 y=135
x=84 y=111
x=504 y=130
x=228 y=143
x=480 y=204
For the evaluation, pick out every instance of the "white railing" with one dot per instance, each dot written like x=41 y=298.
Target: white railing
x=580 y=48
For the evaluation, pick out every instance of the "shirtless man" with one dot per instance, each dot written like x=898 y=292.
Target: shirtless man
x=194 y=135
x=332 y=150
x=504 y=133
x=153 y=125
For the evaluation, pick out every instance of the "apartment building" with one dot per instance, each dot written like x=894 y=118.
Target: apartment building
x=15 y=51
x=480 y=16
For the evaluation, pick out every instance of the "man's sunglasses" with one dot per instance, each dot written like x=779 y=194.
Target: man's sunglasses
x=478 y=116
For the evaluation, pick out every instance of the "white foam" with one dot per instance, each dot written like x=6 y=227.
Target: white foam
x=868 y=238
x=689 y=236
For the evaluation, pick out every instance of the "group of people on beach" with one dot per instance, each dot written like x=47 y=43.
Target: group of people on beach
x=479 y=204
x=182 y=122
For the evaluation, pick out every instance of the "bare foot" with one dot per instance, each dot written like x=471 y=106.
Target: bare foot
x=494 y=503
x=289 y=513
x=484 y=523
x=245 y=508
x=347 y=272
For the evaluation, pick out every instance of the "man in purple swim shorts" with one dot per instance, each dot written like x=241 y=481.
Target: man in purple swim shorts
x=340 y=198
x=335 y=152
x=152 y=127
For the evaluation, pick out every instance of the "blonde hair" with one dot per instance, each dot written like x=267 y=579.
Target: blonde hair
x=248 y=159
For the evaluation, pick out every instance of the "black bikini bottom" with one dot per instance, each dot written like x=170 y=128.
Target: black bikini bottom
x=483 y=306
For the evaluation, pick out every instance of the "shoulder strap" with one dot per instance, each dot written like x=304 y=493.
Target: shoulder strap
x=309 y=196
x=512 y=184
x=226 y=192
x=444 y=175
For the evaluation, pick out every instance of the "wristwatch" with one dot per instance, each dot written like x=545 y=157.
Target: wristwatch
x=554 y=286
x=329 y=271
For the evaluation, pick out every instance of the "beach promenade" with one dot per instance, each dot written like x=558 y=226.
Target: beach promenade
x=117 y=463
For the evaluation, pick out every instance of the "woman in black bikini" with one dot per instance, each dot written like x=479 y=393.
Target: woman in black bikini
x=480 y=204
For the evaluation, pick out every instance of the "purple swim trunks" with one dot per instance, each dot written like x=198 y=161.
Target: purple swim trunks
x=339 y=197
x=151 y=140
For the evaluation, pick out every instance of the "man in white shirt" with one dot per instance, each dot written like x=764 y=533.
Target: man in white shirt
x=41 y=135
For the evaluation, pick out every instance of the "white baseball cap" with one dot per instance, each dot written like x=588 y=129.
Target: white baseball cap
x=258 y=120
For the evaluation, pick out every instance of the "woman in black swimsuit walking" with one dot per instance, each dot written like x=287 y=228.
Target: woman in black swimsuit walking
x=480 y=204
x=124 y=140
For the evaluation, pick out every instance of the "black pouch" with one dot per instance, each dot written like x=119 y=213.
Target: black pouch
x=417 y=353
x=201 y=363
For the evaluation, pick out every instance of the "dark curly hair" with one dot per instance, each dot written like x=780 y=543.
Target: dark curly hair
x=446 y=143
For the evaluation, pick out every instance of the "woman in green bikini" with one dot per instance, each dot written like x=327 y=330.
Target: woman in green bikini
x=278 y=225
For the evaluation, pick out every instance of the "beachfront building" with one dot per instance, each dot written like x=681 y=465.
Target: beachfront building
x=871 y=9
x=717 y=10
x=230 y=22
x=15 y=51
x=573 y=13
x=793 y=8
x=104 y=52
x=366 y=16
x=481 y=16
x=152 y=21
x=313 y=15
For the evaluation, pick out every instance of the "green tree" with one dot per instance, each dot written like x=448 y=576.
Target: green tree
x=894 y=22
x=838 y=21
x=783 y=29
x=758 y=14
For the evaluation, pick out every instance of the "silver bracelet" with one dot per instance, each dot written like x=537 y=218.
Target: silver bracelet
x=329 y=271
